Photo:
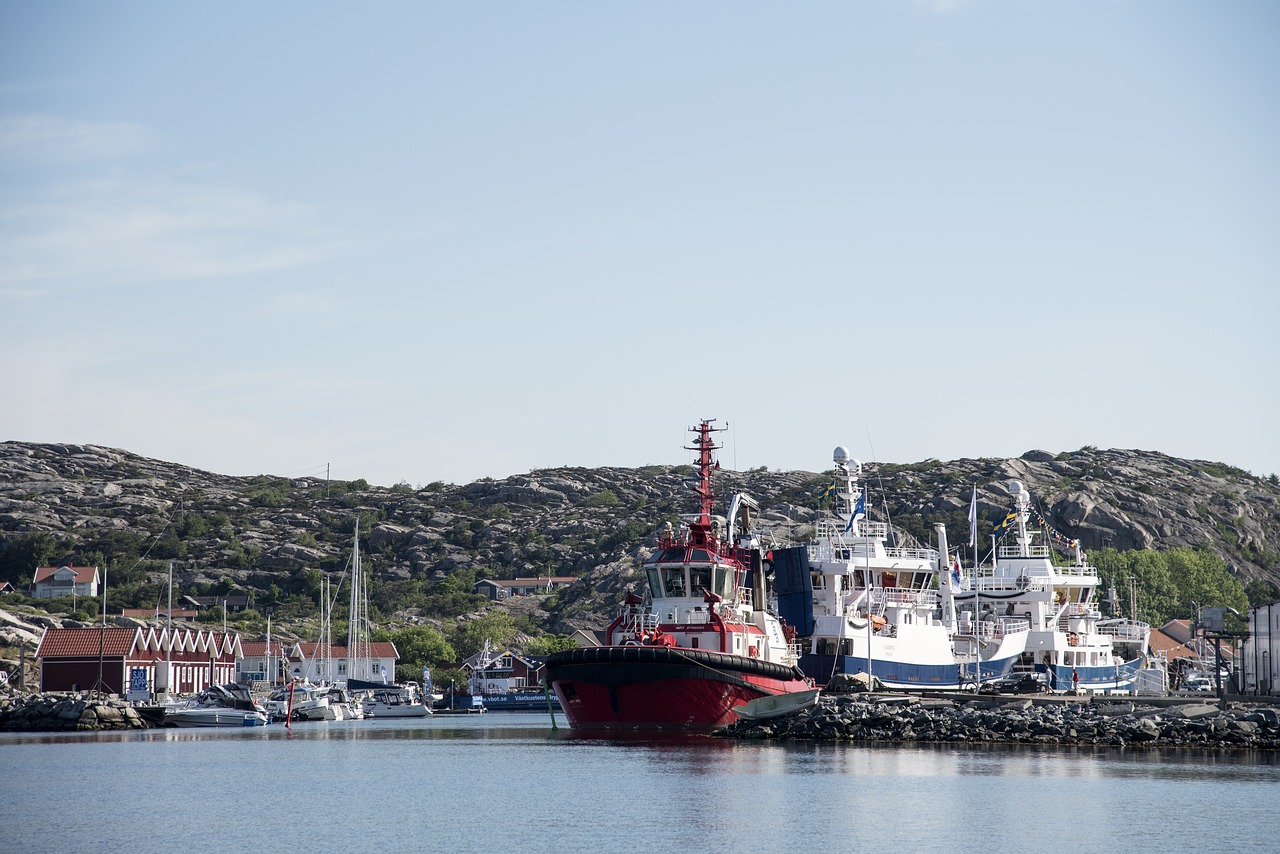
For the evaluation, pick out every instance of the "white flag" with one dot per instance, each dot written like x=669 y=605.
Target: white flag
x=973 y=518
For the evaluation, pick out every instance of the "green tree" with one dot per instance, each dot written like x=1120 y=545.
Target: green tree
x=1202 y=577
x=1168 y=582
x=20 y=555
x=603 y=498
x=418 y=646
x=547 y=644
x=1158 y=596
x=1261 y=592
x=498 y=628
x=210 y=615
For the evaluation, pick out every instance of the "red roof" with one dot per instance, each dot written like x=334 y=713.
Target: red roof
x=78 y=643
x=84 y=574
x=542 y=581
x=258 y=649
x=381 y=649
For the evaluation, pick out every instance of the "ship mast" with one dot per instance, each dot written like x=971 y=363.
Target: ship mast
x=700 y=530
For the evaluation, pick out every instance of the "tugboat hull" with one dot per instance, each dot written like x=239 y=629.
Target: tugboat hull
x=623 y=688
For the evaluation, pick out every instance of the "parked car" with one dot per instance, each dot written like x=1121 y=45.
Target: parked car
x=1199 y=682
x=1017 y=683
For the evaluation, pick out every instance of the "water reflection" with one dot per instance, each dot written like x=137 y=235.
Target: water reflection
x=424 y=781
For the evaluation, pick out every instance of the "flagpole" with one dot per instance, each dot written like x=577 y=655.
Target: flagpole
x=977 y=610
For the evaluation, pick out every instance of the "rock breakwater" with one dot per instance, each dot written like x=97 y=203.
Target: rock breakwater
x=79 y=712
x=896 y=719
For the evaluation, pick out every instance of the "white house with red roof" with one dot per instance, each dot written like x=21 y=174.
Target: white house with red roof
x=504 y=588
x=313 y=663
x=51 y=582
x=71 y=659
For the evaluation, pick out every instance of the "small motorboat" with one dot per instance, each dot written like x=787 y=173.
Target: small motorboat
x=220 y=706
x=777 y=705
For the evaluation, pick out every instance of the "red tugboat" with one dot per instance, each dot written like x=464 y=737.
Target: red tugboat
x=702 y=644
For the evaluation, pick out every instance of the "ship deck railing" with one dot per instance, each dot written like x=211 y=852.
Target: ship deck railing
x=903 y=596
x=1125 y=630
x=833 y=543
x=1011 y=577
x=638 y=621
x=1013 y=551
x=991 y=630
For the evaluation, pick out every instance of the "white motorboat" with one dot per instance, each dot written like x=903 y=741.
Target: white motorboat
x=395 y=701
x=219 y=706
x=309 y=702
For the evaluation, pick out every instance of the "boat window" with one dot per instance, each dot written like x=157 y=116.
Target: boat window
x=700 y=554
x=653 y=581
x=728 y=582
x=672 y=554
x=699 y=578
x=819 y=580
x=673 y=581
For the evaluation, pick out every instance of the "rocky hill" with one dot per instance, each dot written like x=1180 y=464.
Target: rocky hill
x=101 y=506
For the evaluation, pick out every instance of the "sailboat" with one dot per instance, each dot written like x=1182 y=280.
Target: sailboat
x=381 y=698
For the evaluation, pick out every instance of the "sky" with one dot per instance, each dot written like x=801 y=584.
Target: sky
x=417 y=242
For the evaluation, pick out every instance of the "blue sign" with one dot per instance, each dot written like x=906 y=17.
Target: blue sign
x=138 y=679
x=138 y=690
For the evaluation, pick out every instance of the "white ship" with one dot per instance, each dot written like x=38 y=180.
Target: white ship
x=862 y=605
x=1069 y=639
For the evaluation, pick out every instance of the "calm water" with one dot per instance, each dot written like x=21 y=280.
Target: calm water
x=507 y=783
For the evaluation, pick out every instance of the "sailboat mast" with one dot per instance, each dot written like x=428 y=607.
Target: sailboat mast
x=353 y=611
x=168 y=659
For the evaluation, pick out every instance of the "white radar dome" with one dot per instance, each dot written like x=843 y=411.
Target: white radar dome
x=840 y=455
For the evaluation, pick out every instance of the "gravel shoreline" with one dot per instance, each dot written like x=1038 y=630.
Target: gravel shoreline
x=1012 y=720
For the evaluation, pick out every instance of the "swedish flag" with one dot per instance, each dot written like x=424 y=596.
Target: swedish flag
x=827 y=493
x=1005 y=524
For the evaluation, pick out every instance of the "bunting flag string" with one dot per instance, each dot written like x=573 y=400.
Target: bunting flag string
x=1037 y=518
x=1058 y=537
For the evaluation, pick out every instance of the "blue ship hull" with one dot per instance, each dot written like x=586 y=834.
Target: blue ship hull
x=900 y=674
x=1120 y=676
x=517 y=702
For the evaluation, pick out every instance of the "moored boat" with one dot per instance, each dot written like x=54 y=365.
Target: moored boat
x=217 y=706
x=305 y=701
x=862 y=604
x=395 y=701
x=699 y=644
x=495 y=685
x=1069 y=641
